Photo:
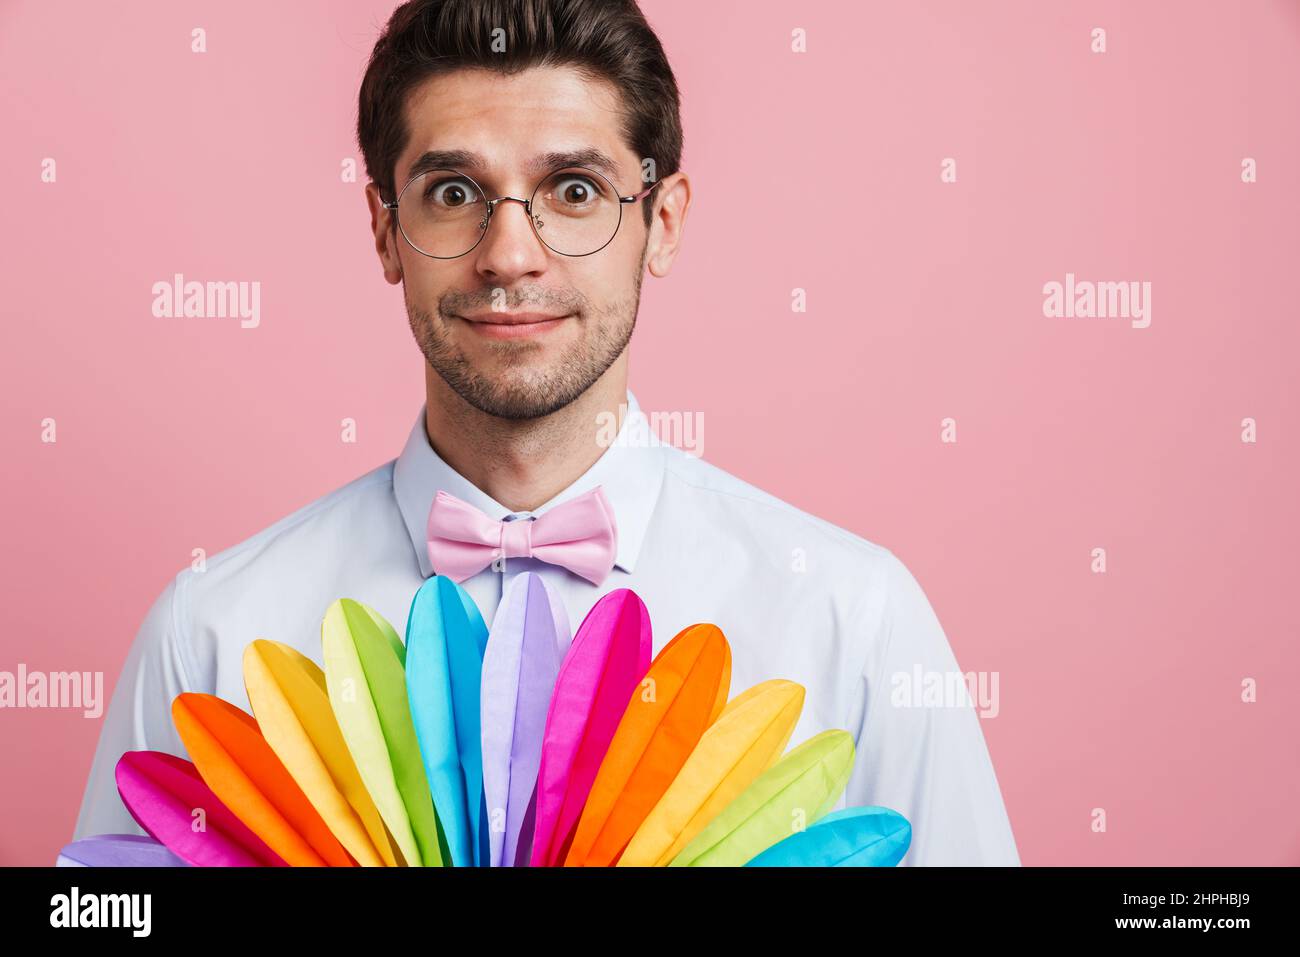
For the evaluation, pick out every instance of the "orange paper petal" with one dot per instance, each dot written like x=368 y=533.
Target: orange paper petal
x=681 y=695
x=241 y=769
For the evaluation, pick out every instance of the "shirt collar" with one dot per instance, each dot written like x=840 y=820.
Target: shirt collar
x=629 y=472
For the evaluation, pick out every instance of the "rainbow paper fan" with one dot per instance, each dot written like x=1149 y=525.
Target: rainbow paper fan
x=525 y=745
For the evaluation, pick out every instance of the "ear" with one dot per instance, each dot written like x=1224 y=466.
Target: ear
x=383 y=223
x=672 y=202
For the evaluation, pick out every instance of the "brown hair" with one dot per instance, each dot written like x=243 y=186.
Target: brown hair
x=609 y=39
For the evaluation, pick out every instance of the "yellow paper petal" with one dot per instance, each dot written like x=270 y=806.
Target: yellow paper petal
x=794 y=793
x=291 y=702
x=748 y=737
x=358 y=719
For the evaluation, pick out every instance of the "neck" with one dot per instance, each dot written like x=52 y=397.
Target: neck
x=523 y=463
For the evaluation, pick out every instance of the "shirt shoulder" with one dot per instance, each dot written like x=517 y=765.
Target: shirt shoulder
x=768 y=513
x=316 y=523
x=275 y=582
x=855 y=575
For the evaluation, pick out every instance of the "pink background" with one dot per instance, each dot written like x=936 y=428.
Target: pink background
x=818 y=171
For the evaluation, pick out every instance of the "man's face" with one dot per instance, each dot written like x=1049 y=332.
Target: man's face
x=456 y=306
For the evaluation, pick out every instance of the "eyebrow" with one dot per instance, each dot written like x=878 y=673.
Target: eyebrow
x=471 y=162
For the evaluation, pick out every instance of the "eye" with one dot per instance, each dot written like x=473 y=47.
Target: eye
x=574 y=191
x=450 y=193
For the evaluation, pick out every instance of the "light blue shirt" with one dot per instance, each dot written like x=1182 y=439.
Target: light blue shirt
x=796 y=596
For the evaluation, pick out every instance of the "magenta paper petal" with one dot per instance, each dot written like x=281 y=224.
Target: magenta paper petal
x=162 y=792
x=529 y=636
x=117 y=850
x=609 y=656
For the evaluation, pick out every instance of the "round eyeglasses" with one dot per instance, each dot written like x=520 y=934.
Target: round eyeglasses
x=574 y=211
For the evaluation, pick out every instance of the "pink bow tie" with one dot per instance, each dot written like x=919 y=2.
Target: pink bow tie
x=579 y=534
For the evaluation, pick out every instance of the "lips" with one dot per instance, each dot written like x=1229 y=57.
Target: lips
x=512 y=319
x=518 y=326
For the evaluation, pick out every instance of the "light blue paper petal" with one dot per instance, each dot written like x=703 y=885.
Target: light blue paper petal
x=851 y=837
x=445 y=641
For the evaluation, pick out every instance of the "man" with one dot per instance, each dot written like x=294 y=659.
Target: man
x=524 y=159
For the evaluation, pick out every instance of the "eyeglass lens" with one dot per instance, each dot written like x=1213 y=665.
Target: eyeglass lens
x=443 y=213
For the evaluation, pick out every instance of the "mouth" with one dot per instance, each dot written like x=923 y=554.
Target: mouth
x=519 y=325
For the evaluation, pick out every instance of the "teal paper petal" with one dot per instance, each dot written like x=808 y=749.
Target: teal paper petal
x=445 y=641
x=851 y=837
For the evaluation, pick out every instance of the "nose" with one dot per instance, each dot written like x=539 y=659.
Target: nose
x=511 y=248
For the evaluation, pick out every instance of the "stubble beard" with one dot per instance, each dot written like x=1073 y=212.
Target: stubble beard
x=523 y=391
